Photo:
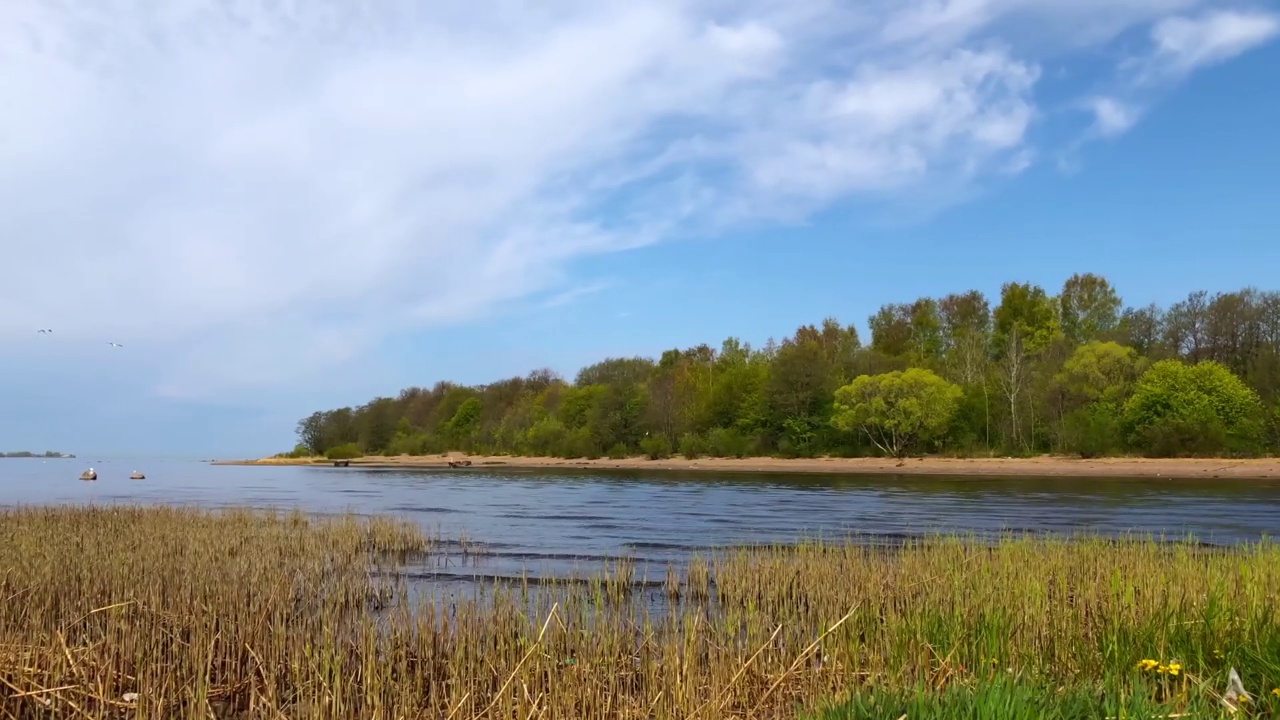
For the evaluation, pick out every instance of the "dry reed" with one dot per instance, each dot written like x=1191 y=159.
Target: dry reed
x=166 y=613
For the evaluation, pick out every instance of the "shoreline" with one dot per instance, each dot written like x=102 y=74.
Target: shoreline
x=1041 y=466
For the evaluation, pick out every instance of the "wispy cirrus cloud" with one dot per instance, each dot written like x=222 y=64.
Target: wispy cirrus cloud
x=1183 y=44
x=1177 y=45
x=257 y=191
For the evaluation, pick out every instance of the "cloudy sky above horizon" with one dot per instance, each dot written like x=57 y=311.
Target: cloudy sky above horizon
x=284 y=206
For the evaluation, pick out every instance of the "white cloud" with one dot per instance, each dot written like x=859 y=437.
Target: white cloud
x=889 y=127
x=1179 y=45
x=1183 y=44
x=255 y=191
x=1112 y=117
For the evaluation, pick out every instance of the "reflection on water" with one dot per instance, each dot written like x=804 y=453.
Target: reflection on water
x=561 y=522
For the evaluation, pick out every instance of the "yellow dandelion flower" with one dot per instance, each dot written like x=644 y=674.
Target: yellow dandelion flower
x=1276 y=692
x=1174 y=668
x=1162 y=669
x=1147 y=664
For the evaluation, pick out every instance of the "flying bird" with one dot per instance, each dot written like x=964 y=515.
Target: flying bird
x=44 y=331
x=115 y=344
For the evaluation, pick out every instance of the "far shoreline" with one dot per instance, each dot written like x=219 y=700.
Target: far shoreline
x=1041 y=466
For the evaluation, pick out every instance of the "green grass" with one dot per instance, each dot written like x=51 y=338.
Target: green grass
x=1010 y=698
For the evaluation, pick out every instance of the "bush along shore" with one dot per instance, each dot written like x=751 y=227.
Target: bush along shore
x=960 y=375
x=163 y=613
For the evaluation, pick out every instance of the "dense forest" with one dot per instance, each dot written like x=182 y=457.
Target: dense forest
x=1072 y=373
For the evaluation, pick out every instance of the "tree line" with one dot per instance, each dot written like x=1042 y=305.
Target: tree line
x=1071 y=373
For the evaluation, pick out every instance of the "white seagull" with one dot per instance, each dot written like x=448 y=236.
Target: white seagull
x=115 y=344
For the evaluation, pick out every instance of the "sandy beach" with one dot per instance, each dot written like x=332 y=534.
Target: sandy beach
x=1043 y=466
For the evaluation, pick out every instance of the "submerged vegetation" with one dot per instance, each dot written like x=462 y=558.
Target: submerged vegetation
x=1031 y=373
x=159 y=613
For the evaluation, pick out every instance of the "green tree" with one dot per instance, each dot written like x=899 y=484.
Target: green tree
x=1089 y=307
x=1098 y=372
x=1038 y=373
x=1091 y=388
x=464 y=422
x=891 y=330
x=1026 y=324
x=615 y=371
x=897 y=411
x=799 y=395
x=1191 y=409
x=1027 y=311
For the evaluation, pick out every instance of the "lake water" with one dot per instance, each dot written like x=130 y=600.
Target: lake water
x=562 y=521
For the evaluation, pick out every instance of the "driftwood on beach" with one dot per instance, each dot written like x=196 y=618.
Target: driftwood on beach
x=459 y=463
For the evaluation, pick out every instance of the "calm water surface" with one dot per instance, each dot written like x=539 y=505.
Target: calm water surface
x=553 y=522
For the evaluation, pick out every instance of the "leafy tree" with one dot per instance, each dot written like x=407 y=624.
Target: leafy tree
x=1142 y=329
x=311 y=432
x=799 y=394
x=1089 y=307
x=891 y=330
x=966 y=335
x=1038 y=374
x=615 y=371
x=464 y=420
x=1026 y=324
x=1027 y=312
x=897 y=411
x=1178 y=408
x=1092 y=387
x=1099 y=372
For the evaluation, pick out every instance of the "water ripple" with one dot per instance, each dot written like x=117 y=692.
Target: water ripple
x=555 y=521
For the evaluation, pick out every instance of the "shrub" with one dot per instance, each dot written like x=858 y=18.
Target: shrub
x=619 y=452
x=692 y=445
x=1179 y=409
x=1093 y=430
x=298 y=451
x=727 y=442
x=580 y=443
x=1182 y=437
x=656 y=447
x=347 y=451
x=414 y=444
x=546 y=437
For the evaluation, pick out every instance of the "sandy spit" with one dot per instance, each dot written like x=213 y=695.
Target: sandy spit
x=1043 y=466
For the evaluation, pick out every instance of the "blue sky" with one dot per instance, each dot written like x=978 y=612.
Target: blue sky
x=277 y=208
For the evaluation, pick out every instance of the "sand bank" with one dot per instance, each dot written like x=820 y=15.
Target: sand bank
x=1043 y=466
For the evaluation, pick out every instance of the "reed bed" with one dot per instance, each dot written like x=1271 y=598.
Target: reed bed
x=168 y=613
